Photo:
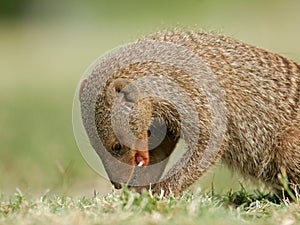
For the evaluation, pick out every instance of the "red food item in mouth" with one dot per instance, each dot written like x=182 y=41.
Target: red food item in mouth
x=140 y=160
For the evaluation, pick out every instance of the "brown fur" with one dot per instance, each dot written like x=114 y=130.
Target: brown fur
x=261 y=92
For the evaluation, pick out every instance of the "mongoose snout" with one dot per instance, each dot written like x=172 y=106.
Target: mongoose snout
x=131 y=157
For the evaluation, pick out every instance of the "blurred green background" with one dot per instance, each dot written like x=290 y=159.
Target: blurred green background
x=45 y=47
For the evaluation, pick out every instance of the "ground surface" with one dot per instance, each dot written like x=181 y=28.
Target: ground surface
x=127 y=207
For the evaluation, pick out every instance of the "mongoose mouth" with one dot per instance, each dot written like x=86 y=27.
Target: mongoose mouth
x=140 y=159
x=140 y=152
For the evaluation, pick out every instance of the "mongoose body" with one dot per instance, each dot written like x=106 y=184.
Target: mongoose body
x=261 y=92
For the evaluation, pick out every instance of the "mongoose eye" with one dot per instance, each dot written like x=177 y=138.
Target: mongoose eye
x=117 y=148
x=149 y=133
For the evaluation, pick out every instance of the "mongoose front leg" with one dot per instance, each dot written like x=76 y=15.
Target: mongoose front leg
x=186 y=171
x=288 y=155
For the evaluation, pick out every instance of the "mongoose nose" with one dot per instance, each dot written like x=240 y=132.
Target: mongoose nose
x=117 y=185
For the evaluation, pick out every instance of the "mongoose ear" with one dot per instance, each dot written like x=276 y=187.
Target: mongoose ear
x=82 y=86
x=117 y=86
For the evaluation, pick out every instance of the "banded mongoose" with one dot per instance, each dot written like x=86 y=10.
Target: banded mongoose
x=260 y=90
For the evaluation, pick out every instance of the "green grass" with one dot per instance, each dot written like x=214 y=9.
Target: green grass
x=127 y=207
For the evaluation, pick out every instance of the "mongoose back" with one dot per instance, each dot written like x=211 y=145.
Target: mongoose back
x=261 y=93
